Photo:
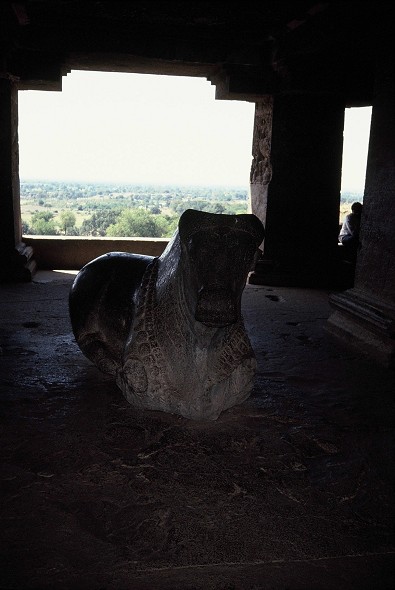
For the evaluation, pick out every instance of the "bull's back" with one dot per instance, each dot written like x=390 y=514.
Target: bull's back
x=102 y=303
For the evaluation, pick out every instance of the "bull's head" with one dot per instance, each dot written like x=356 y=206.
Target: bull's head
x=220 y=250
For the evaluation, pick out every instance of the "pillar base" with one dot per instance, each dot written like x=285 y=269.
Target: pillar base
x=364 y=323
x=335 y=274
x=19 y=265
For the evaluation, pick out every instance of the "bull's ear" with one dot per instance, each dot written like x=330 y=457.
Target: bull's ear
x=251 y=224
x=189 y=223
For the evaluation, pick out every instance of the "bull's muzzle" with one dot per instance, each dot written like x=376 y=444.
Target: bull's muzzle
x=217 y=307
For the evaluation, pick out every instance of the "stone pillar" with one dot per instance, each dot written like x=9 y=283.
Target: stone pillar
x=16 y=258
x=364 y=316
x=303 y=197
x=261 y=168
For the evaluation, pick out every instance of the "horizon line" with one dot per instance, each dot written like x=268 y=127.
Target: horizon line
x=132 y=182
x=359 y=191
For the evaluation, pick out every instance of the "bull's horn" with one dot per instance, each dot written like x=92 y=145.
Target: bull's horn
x=192 y=221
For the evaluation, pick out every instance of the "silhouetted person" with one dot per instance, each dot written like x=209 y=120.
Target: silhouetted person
x=349 y=233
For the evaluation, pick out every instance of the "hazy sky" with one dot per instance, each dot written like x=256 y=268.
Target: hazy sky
x=355 y=148
x=135 y=128
x=151 y=129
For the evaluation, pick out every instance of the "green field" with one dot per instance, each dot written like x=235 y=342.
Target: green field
x=93 y=205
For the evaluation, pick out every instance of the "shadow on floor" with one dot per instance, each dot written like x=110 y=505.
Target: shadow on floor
x=292 y=489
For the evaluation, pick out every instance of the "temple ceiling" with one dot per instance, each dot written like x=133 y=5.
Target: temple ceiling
x=247 y=49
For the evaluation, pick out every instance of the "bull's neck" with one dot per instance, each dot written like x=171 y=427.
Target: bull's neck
x=165 y=322
x=176 y=296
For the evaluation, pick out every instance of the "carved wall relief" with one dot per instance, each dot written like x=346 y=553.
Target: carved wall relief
x=261 y=168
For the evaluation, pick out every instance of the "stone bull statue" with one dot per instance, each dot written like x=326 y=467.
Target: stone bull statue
x=170 y=329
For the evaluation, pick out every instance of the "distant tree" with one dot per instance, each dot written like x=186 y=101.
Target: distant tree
x=42 y=215
x=155 y=210
x=98 y=223
x=236 y=209
x=25 y=228
x=138 y=222
x=43 y=224
x=67 y=221
x=172 y=224
x=73 y=231
x=218 y=208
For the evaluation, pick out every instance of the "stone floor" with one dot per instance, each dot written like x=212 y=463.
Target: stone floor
x=291 y=490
